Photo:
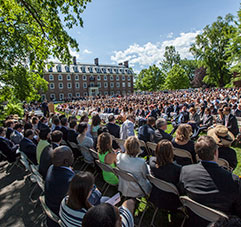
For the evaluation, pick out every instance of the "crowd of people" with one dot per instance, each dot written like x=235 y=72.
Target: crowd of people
x=204 y=123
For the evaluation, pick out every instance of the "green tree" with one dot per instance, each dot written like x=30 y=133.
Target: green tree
x=177 y=78
x=189 y=66
x=31 y=32
x=210 y=47
x=151 y=79
x=171 y=57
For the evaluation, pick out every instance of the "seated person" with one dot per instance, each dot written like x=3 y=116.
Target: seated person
x=107 y=156
x=75 y=205
x=7 y=147
x=10 y=125
x=85 y=141
x=64 y=128
x=161 y=127
x=230 y=121
x=44 y=135
x=28 y=147
x=232 y=221
x=106 y=215
x=146 y=132
x=206 y=120
x=182 y=141
x=224 y=139
x=137 y=166
x=127 y=128
x=56 y=138
x=113 y=129
x=162 y=167
x=17 y=135
x=209 y=184
x=72 y=134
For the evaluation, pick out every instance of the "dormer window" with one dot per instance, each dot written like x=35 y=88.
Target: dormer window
x=75 y=68
x=67 y=69
x=83 y=69
x=90 y=69
x=104 y=70
x=50 y=69
x=59 y=70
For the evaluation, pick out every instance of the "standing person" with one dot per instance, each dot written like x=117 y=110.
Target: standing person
x=127 y=128
x=45 y=108
x=230 y=121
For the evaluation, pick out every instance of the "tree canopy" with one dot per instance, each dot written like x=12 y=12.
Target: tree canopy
x=31 y=32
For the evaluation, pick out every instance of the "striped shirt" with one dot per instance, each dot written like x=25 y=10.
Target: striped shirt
x=126 y=217
x=70 y=217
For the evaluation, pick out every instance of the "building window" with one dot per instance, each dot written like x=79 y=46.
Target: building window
x=50 y=69
x=69 y=95
x=85 y=93
x=83 y=69
x=75 y=68
x=84 y=85
x=51 y=85
x=90 y=69
x=98 y=77
x=69 y=85
x=106 y=93
x=129 y=84
x=104 y=70
x=112 y=93
x=117 y=77
x=118 y=92
x=99 y=84
x=111 y=84
x=61 y=86
x=111 y=77
x=77 y=94
x=67 y=69
x=123 y=84
x=77 y=85
x=52 y=96
x=60 y=77
x=129 y=78
x=117 y=84
x=61 y=96
x=92 y=84
x=110 y=70
x=123 y=77
x=68 y=77
x=51 y=77
x=105 y=85
x=105 y=77
x=76 y=77
x=43 y=97
x=59 y=70
x=84 y=77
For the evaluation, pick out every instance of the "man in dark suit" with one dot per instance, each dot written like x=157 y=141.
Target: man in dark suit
x=209 y=184
x=28 y=147
x=184 y=115
x=113 y=129
x=146 y=132
x=56 y=138
x=237 y=112
x=64 y=128
x=230 y=121
x=56 y=124
x=72 y=134
x=160 y=134
x=58 y=178
x=10 y=125
x=7 y=147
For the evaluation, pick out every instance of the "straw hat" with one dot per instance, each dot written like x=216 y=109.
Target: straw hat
x=221 y=135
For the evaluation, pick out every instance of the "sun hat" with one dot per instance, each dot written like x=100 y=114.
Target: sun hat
x=221 y=135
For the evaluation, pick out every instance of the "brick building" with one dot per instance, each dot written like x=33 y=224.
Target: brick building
x=78 y=80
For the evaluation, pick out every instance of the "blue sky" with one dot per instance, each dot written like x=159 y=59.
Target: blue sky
x=138 y=30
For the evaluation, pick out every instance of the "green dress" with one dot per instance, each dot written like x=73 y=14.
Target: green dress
x=109 y=177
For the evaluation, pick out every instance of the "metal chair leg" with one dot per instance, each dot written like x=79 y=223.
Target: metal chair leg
x=153 y=217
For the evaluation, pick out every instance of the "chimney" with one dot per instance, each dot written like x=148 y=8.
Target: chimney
x=97 y=61
x=120 y=64
x=126 y=64
x=74 y=60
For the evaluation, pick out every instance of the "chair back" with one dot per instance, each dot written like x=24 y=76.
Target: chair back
x=63 y=142
x=151 y=146
x=47 y=211
x=94 y=154
x=202 y=211
x=24 y=161
x=163 y=185
x=128 y=177
x=73 y=145
x=1 y=153
x=120 y=142
x=224 y=163
x=182 y=153
x=38 y=177
x=105 y=167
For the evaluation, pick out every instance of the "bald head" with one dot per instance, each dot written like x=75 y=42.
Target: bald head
x=62 y=156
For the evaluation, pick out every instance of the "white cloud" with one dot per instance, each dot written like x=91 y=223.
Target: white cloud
x=74 y=53
x=170 y=35
x=85 y=51
x=152 y=53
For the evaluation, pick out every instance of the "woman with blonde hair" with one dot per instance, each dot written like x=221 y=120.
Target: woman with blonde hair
x=107 y=156
x=129 y=162
x=183 y=141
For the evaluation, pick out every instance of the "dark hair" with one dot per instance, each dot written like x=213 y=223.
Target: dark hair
x=2 y=129
x=79 y=189
x=44 y=131
x=18 y=125
x=34 y=120
x=28 y=133
x=208 y=110
x=151 y=120
x=103 y=215
x=96 y=120
x=232 y=221
x=43 y=119
x=83 y=117
x=111 y=118
x=64 y=121
x=56 y=120
x=27 y=126
x=164 y=152
x=206 y=147
x=228 y=109
x=81 y=127
x=104 y=142
x=56 y=136
x=8 y=123
x=73 y=123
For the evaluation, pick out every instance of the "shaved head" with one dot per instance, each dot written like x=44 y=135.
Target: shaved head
x=62 y=156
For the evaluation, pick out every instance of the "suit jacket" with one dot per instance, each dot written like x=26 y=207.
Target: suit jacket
x=146 y=133
x=56 y=186
x=57 y=128
x=237 y=113
x=114 y=129
x=211 y=185
x=72 y=135
x=64 y=130
x=9 y=132
x=207 y=120
x=161 y=135
x=232 y=124
x=29 y=148
x=45 y=161
x=8 y=149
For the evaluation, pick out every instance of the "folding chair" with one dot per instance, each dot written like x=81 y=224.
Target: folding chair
x=76 y=151
x=95 y=156
x=151 y=147
x=106 y=168
x=10 y=164
x=182 y=153
x=120 y=142
x=164 y=186
x=47 y=211
x=87 y=163
x=25 y=161
x=63 y=142
x=202 y=211
x=224 y=163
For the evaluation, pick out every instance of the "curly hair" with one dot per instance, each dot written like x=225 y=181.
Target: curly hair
x=104 y=142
